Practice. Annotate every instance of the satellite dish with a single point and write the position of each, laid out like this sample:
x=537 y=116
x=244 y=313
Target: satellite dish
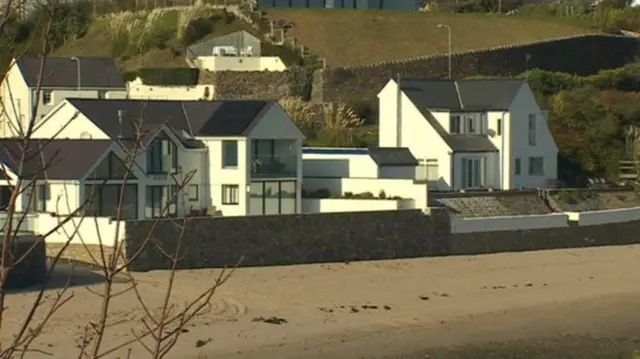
x=85 y=135
x=491 y=133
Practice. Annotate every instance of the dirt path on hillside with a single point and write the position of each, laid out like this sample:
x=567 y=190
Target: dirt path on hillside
x=383 y=307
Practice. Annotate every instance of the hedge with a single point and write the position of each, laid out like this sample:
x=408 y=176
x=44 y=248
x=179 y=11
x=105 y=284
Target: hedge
x=165 y=76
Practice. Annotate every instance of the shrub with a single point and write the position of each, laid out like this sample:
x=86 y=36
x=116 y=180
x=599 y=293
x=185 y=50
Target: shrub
x=382 y=194
x=302 y=113
x=320 y=193
x=339 y=123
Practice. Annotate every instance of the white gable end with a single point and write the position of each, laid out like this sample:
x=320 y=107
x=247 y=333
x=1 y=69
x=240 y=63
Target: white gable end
x=275 y=124
x=65 y=121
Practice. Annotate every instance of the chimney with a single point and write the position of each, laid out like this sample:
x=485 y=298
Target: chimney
x=120 y=115
x=398 y=112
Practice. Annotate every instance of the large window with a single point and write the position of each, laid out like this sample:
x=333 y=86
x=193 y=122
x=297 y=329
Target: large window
x=162 y=156
x=532 y=130
x=229 y=154
x=536 y=166
x=103 y=200
x=465 y=124
x=274 y=197
x=473 y=172
x=112 y=167
x=162 y=201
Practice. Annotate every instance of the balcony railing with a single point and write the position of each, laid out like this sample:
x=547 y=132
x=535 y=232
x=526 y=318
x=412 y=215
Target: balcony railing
x=274 y=166
x=23 y=223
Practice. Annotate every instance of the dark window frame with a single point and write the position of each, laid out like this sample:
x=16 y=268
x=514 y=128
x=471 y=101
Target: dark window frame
x=230 y=200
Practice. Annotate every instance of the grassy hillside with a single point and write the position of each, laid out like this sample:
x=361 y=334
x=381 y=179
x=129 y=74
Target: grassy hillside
x=355 y=37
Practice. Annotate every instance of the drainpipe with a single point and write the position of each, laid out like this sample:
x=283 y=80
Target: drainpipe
x=398 y=113
x=502 y=135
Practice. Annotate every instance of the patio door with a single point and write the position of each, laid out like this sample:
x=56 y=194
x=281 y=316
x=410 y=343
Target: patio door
x=473 y=172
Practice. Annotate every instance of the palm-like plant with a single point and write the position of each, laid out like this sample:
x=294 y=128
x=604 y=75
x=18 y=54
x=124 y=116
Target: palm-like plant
x=339 y=123
x=302 y=113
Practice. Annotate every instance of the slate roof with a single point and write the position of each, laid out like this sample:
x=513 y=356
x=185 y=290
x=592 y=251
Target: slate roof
x=184 y=118
x=392 y=156
x=61 y=72
x=52 y=159
x=461 y=96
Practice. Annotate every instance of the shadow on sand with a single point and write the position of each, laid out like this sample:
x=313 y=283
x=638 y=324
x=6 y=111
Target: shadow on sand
x=71 y=274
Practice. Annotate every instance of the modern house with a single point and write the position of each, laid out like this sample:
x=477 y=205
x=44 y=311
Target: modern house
x=470 y=133
x=58 y=78
x=238 y=51
x=231 y=158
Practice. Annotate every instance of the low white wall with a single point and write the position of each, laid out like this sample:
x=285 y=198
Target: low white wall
x=509 y=223
x=593 y=218
x=334 y=205
x=241 y=63
x=87 y=230
x=136 y=90
x=404 y=188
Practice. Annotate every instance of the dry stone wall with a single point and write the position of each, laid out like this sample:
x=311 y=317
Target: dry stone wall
x=583 y=55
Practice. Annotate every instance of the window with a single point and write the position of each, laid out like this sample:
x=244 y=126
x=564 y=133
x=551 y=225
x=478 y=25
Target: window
x=473 y=172
x=499 y=125
x=162 y=201
x=229 y=154
x=162 y=156
x=427 y=170
x=274 y=197
x=112 y=167
x=230 y=194
x=193 y=192
x=470 y=125
x=536 y=166
x=455 y=125
x=104 y=200
x=532 y=130
x=517 y=166
x=102 y=94
x=46 y=97
x=40 y=197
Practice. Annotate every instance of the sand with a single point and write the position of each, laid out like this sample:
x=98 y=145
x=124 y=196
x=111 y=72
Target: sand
x=364 y=309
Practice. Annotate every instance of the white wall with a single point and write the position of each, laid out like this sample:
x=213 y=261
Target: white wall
x=339 y=165
x=509 y=223
x=16 y=101
x=62 y=197
x=593 y=218
x=517 y=131
x=404 y=188
x=87 y=230
x=416 y=133
x=335 y=205
x=230 y=63
x=66 y=122
x=136 y=90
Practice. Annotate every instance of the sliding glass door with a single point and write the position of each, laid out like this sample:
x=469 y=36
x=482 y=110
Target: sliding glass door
x=473 y=172
x=272 y=197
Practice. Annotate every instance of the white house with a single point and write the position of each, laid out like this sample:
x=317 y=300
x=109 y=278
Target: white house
x=238 y=157
x=470 y=133
x=59 y=78
x=237 y=51
x=388 y=170
x=138 y=90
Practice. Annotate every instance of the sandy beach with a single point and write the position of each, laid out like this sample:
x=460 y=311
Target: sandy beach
x=379 y=309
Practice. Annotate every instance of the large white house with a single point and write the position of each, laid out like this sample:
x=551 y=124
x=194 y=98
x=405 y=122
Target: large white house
x=236 y=157
x=59 y=78
x=470 y=133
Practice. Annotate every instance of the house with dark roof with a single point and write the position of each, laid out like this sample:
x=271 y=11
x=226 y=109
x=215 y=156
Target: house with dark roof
x=470 y=133
x=228 y=157
x=33 y=83
x=61 y=175
x=387 y=170
x=237 y=51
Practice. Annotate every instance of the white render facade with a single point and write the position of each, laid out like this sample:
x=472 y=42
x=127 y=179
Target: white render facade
x=499 y=140
x=18 y=91
x=253 y=170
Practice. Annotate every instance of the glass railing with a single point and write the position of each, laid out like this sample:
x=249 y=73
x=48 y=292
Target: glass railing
x=274 y=166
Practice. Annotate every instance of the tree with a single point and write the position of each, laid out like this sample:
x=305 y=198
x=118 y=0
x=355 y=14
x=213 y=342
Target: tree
x=158 y=329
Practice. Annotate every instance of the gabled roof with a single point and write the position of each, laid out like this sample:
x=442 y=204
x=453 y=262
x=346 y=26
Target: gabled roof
x=52 y=159
x=186 y=119
x=392 y=156
x=462 y=95
x=62 y=72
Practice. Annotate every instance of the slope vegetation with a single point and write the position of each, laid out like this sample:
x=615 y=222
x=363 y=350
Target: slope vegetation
x=357 y=37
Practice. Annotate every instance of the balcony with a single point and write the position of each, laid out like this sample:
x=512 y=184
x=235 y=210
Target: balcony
x=274 y=166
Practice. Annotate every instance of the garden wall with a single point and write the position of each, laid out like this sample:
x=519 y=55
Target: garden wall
x=583 y=55
x=339 y=237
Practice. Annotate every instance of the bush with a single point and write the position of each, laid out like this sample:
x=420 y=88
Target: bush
x=382 y=194
x=169 y=76
x=154 y=38
x=196 y=30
